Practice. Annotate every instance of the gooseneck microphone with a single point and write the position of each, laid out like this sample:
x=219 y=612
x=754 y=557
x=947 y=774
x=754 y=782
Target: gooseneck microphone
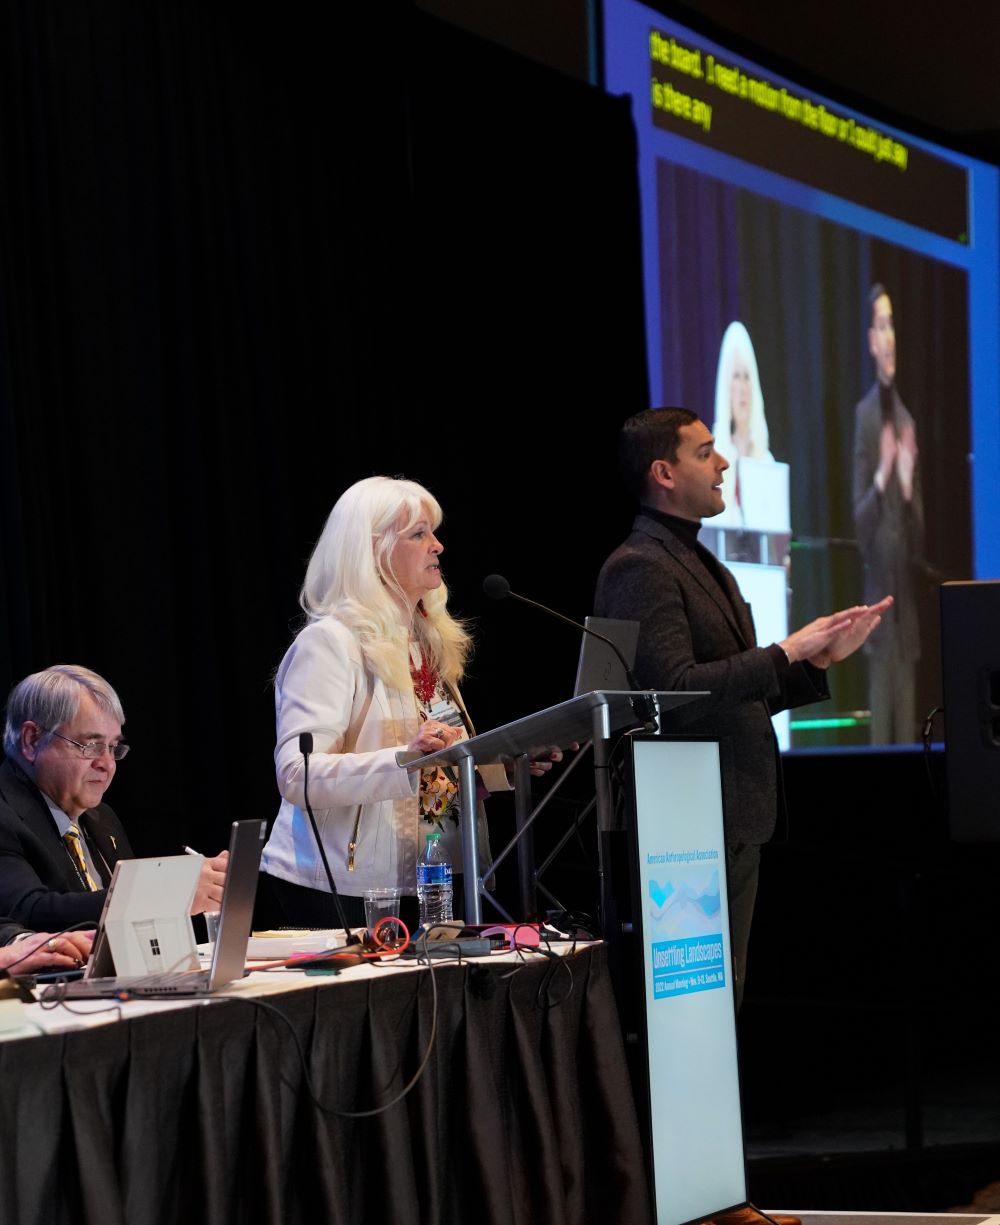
x=306 y=748
x=497 y=588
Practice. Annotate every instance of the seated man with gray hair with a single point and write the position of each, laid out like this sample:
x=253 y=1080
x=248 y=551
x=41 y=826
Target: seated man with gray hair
x=58 y=842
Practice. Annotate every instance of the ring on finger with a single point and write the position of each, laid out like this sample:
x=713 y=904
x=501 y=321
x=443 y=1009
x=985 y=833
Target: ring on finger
x=50 y=944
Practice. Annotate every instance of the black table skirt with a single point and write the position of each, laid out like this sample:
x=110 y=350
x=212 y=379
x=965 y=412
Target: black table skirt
x=524 y=1113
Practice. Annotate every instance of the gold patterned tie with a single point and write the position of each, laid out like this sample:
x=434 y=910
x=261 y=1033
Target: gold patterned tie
x=75 y=847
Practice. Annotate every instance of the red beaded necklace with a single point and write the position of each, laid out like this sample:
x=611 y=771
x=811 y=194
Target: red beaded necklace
x=425 y=679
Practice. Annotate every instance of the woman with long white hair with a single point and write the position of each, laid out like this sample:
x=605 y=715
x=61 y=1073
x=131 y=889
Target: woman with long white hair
x=374 y=670
x=740 y=427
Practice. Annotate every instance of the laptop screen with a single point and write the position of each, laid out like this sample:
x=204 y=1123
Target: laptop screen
x=599 y=667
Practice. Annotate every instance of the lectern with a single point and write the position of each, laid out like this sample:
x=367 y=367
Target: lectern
x=592 y=715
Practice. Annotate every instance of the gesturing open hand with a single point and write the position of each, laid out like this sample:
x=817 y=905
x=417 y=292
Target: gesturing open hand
x=863 y=619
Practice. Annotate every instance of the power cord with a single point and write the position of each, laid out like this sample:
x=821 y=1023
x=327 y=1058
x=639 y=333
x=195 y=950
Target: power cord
x=926 y=738
x=307 y=1079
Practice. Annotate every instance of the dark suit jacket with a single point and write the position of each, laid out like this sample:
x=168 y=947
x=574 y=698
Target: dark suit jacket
x=39 y=885
x=692 y=637
x=9 y=929
x=890 y=530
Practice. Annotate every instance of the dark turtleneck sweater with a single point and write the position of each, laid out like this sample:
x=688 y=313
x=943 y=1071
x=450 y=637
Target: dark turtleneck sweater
x=686 y=531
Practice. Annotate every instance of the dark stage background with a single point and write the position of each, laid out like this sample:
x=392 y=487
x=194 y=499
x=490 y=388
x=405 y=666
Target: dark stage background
x=246 y=261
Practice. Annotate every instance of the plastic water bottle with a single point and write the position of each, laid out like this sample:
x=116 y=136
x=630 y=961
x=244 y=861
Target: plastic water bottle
x=434 y=889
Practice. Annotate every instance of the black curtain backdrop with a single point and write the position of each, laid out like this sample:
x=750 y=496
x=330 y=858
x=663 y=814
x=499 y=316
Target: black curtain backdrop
x=248 y=255
x=800 y=284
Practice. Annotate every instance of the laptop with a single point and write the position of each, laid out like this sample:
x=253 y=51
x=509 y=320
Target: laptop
x=228 y=955
x=146 y=926
x=599 y=667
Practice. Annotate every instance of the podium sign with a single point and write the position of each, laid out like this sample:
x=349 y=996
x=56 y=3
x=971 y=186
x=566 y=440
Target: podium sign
x=681 y=918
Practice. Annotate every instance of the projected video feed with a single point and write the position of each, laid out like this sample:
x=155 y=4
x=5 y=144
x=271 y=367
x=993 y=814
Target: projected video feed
x=822 y=290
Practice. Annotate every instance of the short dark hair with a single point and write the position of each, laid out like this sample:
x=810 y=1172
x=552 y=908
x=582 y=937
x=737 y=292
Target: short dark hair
x=652 y=434
x=878 y=290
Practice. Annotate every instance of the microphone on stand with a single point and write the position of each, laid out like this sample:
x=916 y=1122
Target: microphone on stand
x=306 y=748
x=497 y=588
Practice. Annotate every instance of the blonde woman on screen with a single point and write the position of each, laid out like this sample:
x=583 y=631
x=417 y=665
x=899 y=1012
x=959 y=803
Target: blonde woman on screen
x=740 y=427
